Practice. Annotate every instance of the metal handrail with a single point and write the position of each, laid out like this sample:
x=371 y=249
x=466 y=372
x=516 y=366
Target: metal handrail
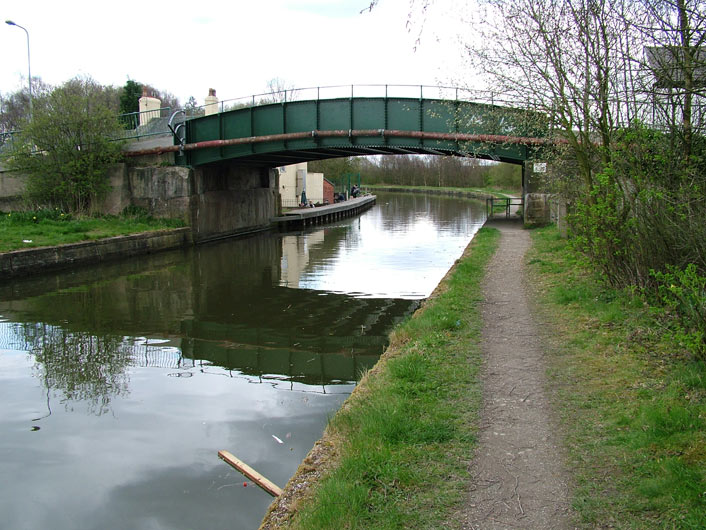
x=350 y=91
x=133 y=129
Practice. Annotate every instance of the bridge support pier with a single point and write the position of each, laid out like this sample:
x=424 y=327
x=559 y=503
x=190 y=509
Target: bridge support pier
x=231 y=200
x=537 y=204
x=218 y=200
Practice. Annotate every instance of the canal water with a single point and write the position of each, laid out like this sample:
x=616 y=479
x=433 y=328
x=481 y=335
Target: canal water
x=119 y=383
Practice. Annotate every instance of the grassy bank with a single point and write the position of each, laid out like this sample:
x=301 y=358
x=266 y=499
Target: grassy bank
x=633 y=403
x=51 y=227
x=404 y=437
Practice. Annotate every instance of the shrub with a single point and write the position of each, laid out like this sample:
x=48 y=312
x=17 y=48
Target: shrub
x=67 y=147
x=683 y=291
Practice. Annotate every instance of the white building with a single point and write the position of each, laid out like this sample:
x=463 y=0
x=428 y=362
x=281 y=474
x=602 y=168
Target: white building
x=295 y=179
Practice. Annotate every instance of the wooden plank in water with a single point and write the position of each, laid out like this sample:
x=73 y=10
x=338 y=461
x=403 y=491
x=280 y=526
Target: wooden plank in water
x=270 y=487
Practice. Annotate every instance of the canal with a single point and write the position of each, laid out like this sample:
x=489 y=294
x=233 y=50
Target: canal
x=119 y=383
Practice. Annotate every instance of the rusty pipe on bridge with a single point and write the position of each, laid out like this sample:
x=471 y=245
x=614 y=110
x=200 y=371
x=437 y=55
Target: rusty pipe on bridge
x=391 y=133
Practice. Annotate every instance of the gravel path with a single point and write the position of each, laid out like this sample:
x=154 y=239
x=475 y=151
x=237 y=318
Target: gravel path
x=518 y=477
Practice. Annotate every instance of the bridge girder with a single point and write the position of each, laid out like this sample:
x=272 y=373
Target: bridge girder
x=298 y=131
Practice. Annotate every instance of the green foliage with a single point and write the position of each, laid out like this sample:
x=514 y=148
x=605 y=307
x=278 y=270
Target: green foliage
x=34 y=216
x=67 y=147
x=683 y=291
x=418 y=170
x=506 y=176
x=335 y=168
x=645 y=209
x=130 y=97
x=602 y=229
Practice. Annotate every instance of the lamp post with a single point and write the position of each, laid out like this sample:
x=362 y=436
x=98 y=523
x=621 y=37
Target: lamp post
x=29 y=67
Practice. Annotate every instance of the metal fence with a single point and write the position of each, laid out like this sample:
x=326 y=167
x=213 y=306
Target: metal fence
x=146 y=123
x=355 y=91
x=7 y=139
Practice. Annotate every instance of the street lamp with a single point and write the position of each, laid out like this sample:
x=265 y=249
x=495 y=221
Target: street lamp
x=29 y=68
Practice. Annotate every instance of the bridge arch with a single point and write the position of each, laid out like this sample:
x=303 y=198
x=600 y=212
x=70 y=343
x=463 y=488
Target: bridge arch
x=289 y=132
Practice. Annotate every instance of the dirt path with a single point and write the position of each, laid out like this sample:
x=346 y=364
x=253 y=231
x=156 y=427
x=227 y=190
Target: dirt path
x=518 y=478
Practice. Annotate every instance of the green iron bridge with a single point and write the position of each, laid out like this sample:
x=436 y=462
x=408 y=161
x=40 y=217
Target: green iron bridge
x=232 y=184
x=287 y=132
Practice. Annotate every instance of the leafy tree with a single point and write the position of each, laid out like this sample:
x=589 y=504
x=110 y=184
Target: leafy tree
x=167 y=98
x=130 y=97
x=506 y=176
x=67 y=147
x=193 y=108
x=422 y=170
x=131 y=93
x=334 y=168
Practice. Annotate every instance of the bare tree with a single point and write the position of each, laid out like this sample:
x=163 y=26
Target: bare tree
x=675 y=60
x=14 y=107
x=566 y=60
x=279 y=90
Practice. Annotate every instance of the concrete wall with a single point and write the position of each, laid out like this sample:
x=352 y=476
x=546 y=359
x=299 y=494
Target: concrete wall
x=163 y=191
x=217 y=201
x=12 y=186
x=230 y=200
x=537 y=209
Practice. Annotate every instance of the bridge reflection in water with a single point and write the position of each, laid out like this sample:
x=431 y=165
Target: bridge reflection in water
x=231 y=308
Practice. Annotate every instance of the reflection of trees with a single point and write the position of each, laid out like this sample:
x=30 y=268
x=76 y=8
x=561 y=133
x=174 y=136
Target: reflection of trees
x=80 y=365
x=451 y=213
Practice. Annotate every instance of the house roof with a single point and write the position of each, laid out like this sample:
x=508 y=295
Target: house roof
x=667 y=65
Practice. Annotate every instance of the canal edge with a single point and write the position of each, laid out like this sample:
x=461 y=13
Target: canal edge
x=30 y=261
x=324 y=455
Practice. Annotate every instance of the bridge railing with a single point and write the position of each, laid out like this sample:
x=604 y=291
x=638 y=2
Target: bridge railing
x=145 y=123
x=359 y=91
x=7 y=139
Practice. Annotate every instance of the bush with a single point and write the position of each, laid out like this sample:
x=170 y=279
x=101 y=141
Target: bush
x=644 y=211
x=683 y=291
x=67 y=147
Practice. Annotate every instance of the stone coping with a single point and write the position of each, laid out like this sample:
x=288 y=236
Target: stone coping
x=30 y=261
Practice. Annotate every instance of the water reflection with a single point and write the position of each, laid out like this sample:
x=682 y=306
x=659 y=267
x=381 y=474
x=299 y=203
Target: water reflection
x=188 y=352
x=82 y=367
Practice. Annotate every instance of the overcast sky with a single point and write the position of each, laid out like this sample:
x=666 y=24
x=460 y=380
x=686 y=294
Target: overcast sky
x=187 y=47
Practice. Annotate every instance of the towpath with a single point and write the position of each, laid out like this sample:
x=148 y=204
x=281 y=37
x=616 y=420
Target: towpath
x=518 y=477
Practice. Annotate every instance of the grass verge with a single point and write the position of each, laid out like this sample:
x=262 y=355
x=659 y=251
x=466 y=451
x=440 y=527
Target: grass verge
x=404 y=438
x=632 y=401
x=41 y=228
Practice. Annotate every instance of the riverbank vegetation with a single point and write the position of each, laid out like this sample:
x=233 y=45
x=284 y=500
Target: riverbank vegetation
x=404 y=437
x=47 y=227
x=627 y=101
x=423 y=171
x=631 y=397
